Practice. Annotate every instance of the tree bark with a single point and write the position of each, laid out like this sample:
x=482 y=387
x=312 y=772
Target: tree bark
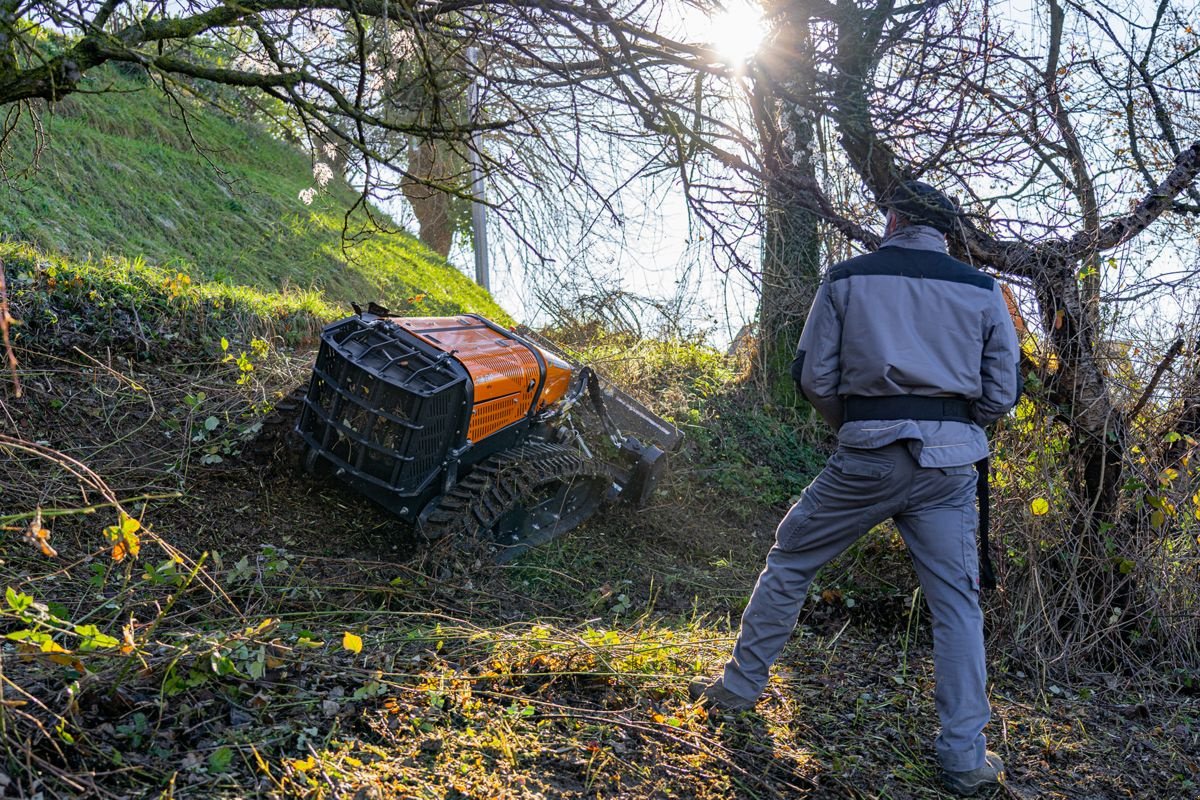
x=791 y=266
x=791 y=257
x=430 y=204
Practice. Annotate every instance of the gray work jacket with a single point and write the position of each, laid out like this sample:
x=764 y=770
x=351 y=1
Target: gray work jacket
x=903 y=321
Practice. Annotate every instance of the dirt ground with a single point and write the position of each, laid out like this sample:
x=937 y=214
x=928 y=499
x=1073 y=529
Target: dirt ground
x=307 y=644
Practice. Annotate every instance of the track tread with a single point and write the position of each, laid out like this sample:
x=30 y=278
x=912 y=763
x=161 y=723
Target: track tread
x=277 y=435
x=477 y=503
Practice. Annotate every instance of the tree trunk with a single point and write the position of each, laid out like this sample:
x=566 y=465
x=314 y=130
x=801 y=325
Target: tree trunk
x=1099 y=444
x=430 y=204
x=791 y=268
x=791 y=257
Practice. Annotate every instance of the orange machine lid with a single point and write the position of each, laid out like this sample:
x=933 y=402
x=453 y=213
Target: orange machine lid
x=500 y=363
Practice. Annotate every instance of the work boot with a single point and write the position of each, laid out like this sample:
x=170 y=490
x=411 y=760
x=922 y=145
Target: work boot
x=713 y=694
x=969 y=782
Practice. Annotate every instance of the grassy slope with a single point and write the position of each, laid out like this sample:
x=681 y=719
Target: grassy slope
x=120 y=175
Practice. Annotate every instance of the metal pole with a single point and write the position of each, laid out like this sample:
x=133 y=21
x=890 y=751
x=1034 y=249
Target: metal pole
x=478 y=209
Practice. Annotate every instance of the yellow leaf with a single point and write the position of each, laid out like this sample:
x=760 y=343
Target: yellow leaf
x=262 y=627
x=1039 y=506
x=124 y=537
x=352 y=642
x=68 y=661
x=305 y=765
x=130 y=545
x=128 y=643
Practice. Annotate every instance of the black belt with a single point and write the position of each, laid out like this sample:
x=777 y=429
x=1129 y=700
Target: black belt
x=943 y=409
x=953 y=409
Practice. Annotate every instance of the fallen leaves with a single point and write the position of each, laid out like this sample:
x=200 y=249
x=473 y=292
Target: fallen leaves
x=39 y=537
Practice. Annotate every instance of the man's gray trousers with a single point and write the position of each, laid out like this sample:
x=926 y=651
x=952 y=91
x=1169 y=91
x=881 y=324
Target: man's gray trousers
x=934 y=508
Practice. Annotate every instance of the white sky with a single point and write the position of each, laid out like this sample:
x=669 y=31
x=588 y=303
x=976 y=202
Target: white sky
x=660 y=256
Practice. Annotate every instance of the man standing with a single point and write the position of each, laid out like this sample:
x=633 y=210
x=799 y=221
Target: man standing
x=908 y=353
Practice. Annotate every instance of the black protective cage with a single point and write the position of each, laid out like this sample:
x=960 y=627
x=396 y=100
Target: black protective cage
x=386 y=410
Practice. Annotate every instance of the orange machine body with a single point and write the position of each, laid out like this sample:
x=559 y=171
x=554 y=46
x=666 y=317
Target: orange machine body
x=512 y=377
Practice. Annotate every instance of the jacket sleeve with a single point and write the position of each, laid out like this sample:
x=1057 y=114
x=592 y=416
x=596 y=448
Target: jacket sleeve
x=816 y=368
x=1000 y=366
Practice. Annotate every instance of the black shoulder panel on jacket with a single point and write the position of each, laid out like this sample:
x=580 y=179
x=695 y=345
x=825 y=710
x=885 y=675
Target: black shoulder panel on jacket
x=907 y=263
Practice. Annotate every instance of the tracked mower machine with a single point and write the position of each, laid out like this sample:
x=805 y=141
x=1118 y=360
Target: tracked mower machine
x=472 y=431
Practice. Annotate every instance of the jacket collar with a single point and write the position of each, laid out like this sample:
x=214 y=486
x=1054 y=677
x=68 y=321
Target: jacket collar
x=916 y=237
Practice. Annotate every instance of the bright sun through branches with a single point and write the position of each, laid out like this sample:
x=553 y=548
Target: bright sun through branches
x=737 y=31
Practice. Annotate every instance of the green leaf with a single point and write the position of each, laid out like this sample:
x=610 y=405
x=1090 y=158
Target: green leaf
x=257 y=667
x=220 y=760
x=93 y=639
x=17 y=601
x=211 y=424
x=57 y=610
x=222 y=665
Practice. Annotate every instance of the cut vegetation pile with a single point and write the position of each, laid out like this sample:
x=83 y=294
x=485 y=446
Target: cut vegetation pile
x=181 y=621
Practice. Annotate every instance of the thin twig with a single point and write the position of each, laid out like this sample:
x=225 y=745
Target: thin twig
x=1171 y=355
x=5 y=321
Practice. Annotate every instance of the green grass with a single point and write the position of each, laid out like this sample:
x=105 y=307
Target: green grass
x=130 y=175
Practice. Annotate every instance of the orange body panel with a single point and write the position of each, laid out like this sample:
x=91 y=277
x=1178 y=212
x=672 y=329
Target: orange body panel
x=503 y=369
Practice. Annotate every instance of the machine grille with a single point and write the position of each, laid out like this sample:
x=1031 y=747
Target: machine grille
x=382 y=407
x=489 y=417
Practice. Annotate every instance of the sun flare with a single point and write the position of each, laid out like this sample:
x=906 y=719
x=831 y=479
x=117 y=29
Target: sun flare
x=737 y=31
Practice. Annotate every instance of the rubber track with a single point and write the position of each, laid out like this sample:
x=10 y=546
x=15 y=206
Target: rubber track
x=477 y=502
x=277 y=436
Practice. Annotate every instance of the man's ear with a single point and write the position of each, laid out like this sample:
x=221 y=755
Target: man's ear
x=890 y=224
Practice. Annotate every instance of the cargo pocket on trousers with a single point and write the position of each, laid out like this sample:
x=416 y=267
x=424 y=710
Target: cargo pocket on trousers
x=789 y=534
x=862 y=463
x=970 y=548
